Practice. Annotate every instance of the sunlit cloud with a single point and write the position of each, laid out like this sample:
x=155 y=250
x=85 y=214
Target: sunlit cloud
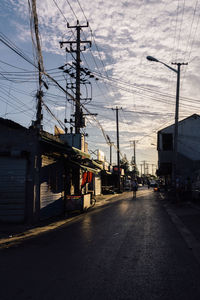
x=125 y=33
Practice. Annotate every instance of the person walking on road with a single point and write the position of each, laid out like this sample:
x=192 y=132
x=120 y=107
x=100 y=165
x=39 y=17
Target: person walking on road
x=134 y=188
x=148 y=183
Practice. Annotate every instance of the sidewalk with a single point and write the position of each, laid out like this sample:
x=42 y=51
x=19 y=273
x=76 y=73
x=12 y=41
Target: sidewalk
x=103 y=198
x=14 y=233
x=188 y=211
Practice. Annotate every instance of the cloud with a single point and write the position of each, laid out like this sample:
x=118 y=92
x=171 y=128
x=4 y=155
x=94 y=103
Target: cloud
x=125 y=33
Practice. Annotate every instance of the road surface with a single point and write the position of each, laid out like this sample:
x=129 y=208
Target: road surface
x=126 y=249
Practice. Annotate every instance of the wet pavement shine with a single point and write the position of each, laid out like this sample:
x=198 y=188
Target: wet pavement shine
x=123 y=249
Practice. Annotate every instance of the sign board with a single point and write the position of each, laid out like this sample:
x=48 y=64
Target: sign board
x=100 y=155
x=115 y=170
x=80 y=202
x=74 y=203
x=86 y=201
x=106 y=166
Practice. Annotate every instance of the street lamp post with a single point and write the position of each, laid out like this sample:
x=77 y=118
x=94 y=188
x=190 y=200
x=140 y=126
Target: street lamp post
x=177 y=71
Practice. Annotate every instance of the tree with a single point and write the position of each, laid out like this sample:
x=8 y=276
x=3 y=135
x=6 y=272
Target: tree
x=133 y=163
x=125 y=164
x=135 y=170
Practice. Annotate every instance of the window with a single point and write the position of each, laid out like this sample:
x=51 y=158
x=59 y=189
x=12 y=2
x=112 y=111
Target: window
x=164 y=169
x=167 y=141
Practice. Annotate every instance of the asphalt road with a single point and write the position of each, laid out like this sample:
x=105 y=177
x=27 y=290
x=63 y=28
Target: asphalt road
x=128 y=249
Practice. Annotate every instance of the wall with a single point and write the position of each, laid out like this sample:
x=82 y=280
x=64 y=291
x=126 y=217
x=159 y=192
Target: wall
x=188 y=139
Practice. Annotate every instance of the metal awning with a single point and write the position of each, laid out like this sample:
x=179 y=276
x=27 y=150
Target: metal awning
x=109 y=173
x=81 y=153
x=89 y=169
x=86 y=168
x=97 y=165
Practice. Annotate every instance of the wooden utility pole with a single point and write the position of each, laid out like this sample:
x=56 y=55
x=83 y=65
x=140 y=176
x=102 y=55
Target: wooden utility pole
x=111 y=144
x=147 y=167
x=78 y=112
x=153 y=169
x=144 y=164
x=118 y=160
x=175 y=152
x=37 y=127
x=40 y=66
x=134 y=155
x=141 y=169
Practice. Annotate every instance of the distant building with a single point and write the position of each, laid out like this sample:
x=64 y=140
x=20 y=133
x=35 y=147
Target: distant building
x=188 y=149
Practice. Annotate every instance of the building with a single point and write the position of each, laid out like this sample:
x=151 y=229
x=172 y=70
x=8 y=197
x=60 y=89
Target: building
x=38 y=174
x=188 y=149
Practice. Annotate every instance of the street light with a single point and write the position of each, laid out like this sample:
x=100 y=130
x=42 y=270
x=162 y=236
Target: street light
x=177 y=71
x=151 y=58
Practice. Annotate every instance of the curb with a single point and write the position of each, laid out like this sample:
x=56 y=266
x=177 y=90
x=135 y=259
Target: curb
x=18 y=238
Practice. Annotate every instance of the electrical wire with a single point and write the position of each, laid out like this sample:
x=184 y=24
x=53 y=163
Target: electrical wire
x=5 y=40
x=93 y=58
x=180 y=29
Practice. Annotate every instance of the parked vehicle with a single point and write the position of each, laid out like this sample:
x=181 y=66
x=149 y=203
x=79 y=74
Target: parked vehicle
x=153 y=183
x=127 y=185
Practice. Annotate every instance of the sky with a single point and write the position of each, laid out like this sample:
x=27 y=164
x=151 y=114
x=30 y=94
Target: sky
x=122 y=33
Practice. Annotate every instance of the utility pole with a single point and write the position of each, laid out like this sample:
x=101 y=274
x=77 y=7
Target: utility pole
x=40 y=66
x=37 y=124
x=134 y=152
x=78 y=112
x=141 y=169
x=147 y=167
x=134 y=155
x=111 y=154
x=111 y=144
x=153 y=168
x=177 y=71
x=174 y=169
x=118 y=160
x=144 y=164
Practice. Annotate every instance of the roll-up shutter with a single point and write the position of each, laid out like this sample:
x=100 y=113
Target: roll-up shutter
x=12 y=189
x=51 y=188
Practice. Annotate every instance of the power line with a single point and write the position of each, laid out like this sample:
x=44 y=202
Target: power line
x=20 y=53
x=89 y=48
x=191 y=25
x=14 y=48
x=3 y=62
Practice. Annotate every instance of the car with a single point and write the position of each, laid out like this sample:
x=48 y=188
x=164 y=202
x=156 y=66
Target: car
x=127 y=185
x=153 y=183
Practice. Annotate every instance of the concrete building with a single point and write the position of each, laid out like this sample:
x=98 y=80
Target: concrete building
x=188 y=149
